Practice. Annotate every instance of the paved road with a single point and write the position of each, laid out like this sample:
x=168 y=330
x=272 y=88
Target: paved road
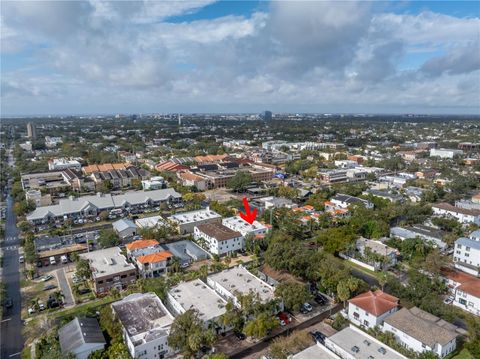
x=11 y=341
x=65 y=287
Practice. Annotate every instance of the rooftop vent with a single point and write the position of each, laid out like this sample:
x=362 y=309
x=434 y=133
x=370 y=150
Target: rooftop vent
x=355 y=349
x=382 y=350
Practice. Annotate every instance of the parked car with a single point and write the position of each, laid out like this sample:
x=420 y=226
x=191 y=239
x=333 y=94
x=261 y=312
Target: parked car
x=84 y=291
x=308 y=307
x=21 y=259
x=49 y=287
x=8 y=303
x=318 y=337
x=64 y=259
x=320 y=299
x=31 y=310
x=46 y=278
x=284 y=318
x=185 y=265
x=53 y=261
x=39 y=264
x=240 y=335
x=41 y=306
x=448 y=300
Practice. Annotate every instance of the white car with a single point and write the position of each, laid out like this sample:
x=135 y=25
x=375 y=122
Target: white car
x=308 y=307
x=41 y=306
x=449 y=300
x=31 y=310
x=21 y=259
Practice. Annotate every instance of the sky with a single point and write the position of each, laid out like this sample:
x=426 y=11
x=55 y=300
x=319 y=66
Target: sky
x=99 y=57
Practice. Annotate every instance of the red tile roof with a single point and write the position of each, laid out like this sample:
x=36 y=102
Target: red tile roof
x=155 y=257
x=468 y=283
x=376 y=303
x=142 y=243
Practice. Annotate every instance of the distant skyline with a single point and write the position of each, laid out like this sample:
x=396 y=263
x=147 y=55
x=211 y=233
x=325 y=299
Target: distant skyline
x=87 y=57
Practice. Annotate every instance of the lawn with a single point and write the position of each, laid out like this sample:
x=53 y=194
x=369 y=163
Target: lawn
x=82 y=309
x=373 y=274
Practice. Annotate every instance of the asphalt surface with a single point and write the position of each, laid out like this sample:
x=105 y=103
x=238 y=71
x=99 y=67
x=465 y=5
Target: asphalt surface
x=65 y=287
x=11 y=340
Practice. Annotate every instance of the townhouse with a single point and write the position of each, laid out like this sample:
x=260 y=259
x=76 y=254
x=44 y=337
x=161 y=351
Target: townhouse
x=218 y=239
x=238 y=224
x=466 y=255
x=154 y=264
x=465 y=290
x=420 y=331
x=110 y=269
x=369 y=309
x=92 y=206
x=145 y=325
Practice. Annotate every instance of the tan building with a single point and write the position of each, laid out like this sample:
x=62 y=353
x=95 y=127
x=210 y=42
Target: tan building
x=110 y=269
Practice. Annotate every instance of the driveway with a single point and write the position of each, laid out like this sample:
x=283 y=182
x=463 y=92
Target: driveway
x=65 y=287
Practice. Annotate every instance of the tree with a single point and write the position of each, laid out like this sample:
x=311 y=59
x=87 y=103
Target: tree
x=261 y=325
x=83 y=269
x=240 y=181
x=294 y=294
x=108 y=238
x=434 y=261
x=188 y=333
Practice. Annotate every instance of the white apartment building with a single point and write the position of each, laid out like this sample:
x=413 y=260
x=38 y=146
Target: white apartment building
x=344 y=201
x=238 y=224
x=186 y=221
x=156 y=182
x=197 y=295
x=421 y=331
x=463 y=215
x=59 y=164
x=238 y=280
x=467 y=254
x=154 y=264
x=445 y=153
x=52 y=141
x=369 y=309
x=218 y=239
x=146 y=325
x=352 y=343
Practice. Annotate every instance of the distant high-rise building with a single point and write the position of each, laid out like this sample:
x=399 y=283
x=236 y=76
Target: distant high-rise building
x=267 y=116
x=179 y=119
x=31 y=131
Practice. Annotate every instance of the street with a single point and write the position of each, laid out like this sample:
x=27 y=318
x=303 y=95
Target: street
x=11 y=341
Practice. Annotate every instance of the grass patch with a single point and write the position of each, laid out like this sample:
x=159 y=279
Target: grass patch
x=464 y=354
x=82 y=309
x=376 y=275
x=26 y=352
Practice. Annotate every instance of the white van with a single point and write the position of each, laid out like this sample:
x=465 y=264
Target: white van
x=52 y=261
x=64 y=259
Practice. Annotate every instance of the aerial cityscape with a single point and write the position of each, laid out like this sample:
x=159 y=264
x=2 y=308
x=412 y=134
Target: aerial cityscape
x=240 y=179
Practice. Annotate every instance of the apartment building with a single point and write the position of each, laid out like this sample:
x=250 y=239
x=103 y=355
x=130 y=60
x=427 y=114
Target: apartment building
x=185 y=222
x=110 y=269
x=465 y=290
x=463 y=215
x=238 y=224
x=118 y=174
x=154 y=264
x=467 y=254
x=218 y=239
x=445 y=153
x=145 y=324
x=420 y=331
x=59 y=164
x=198 y=295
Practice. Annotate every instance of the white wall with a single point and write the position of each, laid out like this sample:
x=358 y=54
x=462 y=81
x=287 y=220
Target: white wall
x=364 y=316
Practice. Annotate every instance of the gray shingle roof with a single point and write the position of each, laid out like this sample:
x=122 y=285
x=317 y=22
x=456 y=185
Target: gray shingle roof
x=468 y=242
x=78 y=332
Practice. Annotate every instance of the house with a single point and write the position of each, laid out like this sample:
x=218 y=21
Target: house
x=463 y=215
x=376 y=253
x=125 y=228
x=333 y=176
x=154 y=264
x=35 y=196
x=145 y=324
x=276 y=202
x=430 y=235
x=142 y=247
x=110 y=269
x=218 y=239
x=190 y=179
x=420 y=331
x=185 y=222
x=369 y=309
x=81 y=337
x=384 y=194
x=352 y=343
x=237 y=280
x=465 y=290
x=199 y=296
x=345 y=201
x=238 y=224
x=186 y=251
x=467 y=254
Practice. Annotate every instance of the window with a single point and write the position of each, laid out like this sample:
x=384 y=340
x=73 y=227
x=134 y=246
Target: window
x=365 y=322
x=123 y=276
x=109 y=280
x=467 y=249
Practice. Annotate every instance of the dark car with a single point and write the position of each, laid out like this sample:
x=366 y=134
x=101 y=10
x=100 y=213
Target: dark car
x=39 y=264
x=8 y=303
x=240 y=336
x=318 y=337
x=84 y=291
x=320 y=299
x=49 y=287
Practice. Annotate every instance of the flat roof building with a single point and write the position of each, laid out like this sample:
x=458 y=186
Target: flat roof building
x=238 y=224
x=146 y=325
x=186 y=221
x=352 y=343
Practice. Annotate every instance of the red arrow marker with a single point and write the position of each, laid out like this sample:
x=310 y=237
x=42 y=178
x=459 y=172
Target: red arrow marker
x=248 y=216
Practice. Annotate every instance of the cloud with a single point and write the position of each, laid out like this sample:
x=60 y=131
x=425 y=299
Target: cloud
x=314 y=54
